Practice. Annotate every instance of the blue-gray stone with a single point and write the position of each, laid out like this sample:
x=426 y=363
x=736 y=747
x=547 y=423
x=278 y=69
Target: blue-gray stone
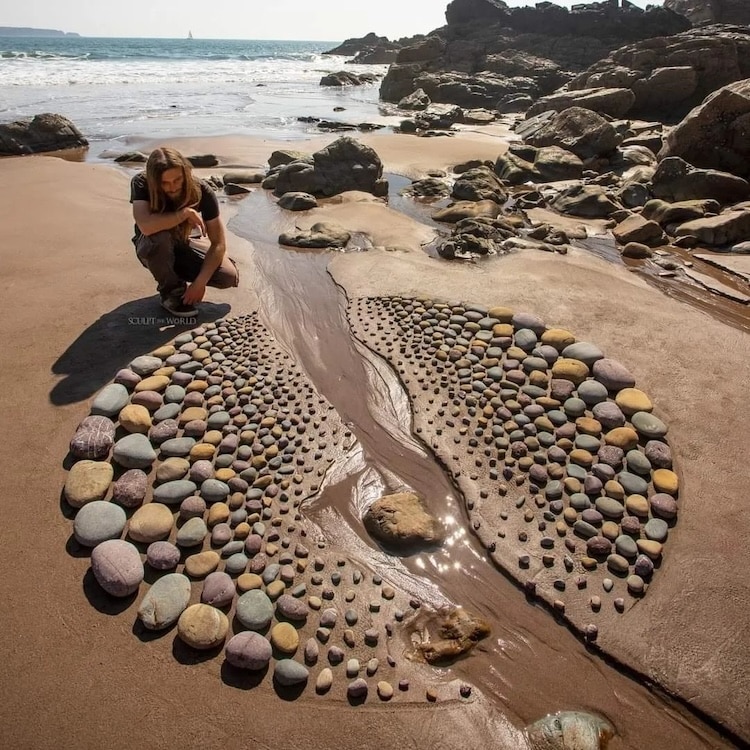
x=168 y=411
x=174 y=394
x=98 y=521
x=575 y=471
x=232 y=548
x=610 y=508
x=553 y=490
x=289 y=672
x=638 y=463
x=134 y=452
x=655 y=529
x=110 y=400
x=191 y=533
x=530 y=364
x=177 y=447
x=584 y=529
x=173 y=493
x=592 y=392
x=648 y=425
x=574 y=407
x=587 y=443
x=145 y=365
x=526 y=339
x=626 y=546
x=632 y=483
x=557 y=417
x=271 y=573
x=579 y=501
x=236 y=564
x=582 y=350
x=165 y=601
x=254 y=610
x=214 y=490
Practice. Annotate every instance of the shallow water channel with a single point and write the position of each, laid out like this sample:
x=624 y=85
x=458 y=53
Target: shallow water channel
x=530 y=665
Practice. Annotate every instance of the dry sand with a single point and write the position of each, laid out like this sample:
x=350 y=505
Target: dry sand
x=73 y=307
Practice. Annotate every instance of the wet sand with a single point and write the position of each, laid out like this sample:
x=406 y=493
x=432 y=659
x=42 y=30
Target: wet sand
x=65 y=656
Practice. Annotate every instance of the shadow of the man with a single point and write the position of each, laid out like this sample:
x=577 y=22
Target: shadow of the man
x=134 y=328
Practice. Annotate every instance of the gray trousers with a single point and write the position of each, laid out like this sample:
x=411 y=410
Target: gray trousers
x=173 y=264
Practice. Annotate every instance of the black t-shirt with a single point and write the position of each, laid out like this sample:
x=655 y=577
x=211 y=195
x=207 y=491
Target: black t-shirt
x=208 y=206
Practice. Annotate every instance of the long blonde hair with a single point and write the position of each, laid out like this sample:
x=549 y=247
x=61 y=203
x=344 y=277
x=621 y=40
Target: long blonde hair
x=159 y=161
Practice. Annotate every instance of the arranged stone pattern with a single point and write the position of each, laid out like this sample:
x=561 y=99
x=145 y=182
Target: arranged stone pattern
x=188 y=482
x=565 y=470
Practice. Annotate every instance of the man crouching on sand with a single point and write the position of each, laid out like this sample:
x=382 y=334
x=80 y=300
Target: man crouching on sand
x=169 y=206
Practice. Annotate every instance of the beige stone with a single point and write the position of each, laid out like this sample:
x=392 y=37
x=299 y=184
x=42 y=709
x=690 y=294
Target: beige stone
x=217 y=513
x=214 y=437
x=284 y=637
x=192 y=413
x=631 y=400
x=87 y=481
x=202 y=563
x=202 y=626
x=275 y=589
x=202 y=451
x=150 y=523
x=570 y=369
x=196 y=385
x=156 y=383
x=224 y=475
x=172 y=468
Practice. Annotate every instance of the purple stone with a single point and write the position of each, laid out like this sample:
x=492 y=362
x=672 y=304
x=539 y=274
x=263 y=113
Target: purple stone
x=195 y=428
x=130 y=489
x=611 y=455
x=538 y=474
x=193 y=398
x=200 y=471
x=150 y=399
x=663 y=505
x=630 y=525
x=598 y=546
x=192 y=507
x=612 y=374
x=659 y=454
x=162 y=555
x=561 y=389
x=249 y=650
x=93 y=438
x=165 y=430
x=182 y=378
x=592 y=485
x=566 y=431
x=518 y=449
x=529 y=320
x=220 y=535
x=603 y=472
x=128 y=378
x=592 y=516
x=218 y=589
x=557 y=455
x=253 y=545
x=609 y=415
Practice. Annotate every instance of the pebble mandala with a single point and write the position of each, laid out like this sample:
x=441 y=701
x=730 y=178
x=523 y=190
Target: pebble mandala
x=195 y=461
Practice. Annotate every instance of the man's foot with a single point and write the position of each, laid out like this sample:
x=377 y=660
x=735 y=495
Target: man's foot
x=177 y=307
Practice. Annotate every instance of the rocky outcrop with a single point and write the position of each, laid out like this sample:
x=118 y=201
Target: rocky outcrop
x=370 y=49
x=490 y=54
x=345 y=78
x=40 y=134
x=670 y=75
x=716 y=134
x=700 y=12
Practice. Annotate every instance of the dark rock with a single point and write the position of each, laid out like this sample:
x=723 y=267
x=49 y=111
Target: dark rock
x=44 y=132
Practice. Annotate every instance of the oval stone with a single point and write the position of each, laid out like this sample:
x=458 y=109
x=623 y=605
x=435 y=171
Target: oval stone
x=610 y=508
x=191 y=533
x=612 y=374
x=248 y=650
x=289 y=672
x=586 y=352
x=93 y=438
x=162 y=555
x=177 y=446
x=291 y=609
x=254 y=610
x=202 y=626
x=666 y=481
x=165 y=601
x=659 y=454
x=163 y=431
x=171 y=493
x=608 y=413
x=110 y=400
x=87 y=482
x=117 y=567
x=617 y=564
x=134 y=452
x=663 y=506
x=284 y=637
x=656 y=529
x=98 y=521
x=648 y=425
x=632 y=400
x=130 y=489
x=150 y=523
x=218 y=589
x=135 y=418
x=145 y=365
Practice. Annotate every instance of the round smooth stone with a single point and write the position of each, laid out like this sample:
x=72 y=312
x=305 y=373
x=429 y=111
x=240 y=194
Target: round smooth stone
x=608 y=414
x=218 y=589
x=150 y=399
x=526 y=339
x=632 y=400
x=110 y=401
x=574 y=407
x=172 y=493
x=193 y=414
x=165 y=430
x=610 y=508
x=248 y=650
x=172 y=469
x=663 y=506
x=165 y=601
x=291 y=608
x=650 y=547
x=285 y=638
x=135 y=418
x=632 y=483
x=522 y=320
x=191 y=533
x=87 y=482
x=236 y=564
x=150 y=523
x=177 y=447
x=168 y=411
x=592 y=486
x=289 y=672
x=200 y=471
x=117 y=567
x=666 y=481
x=162 y=555
x=638 y=463
x=637 y=505
x=570 y=369
x=584 y=529
x=579 y=501
x=648 y=425
x=656 y=529
x=587 y=443
x=324 y=681
x=617 y=564
x=192 y=507
x=587 y=353
x=98 y=521
x=598 y=546
x=603 y=472
x=156 y=383
x=130 y=489
x=214 y=491
x=592 y=516
x=591 y=392
x=202 y=627
x=626 y=546
x=218 y=420
x=128 y=378
x=554 y=490
x=202 y=563
x=254 y=610
x=636 y=584
x=659 y=454
x=145 y=365
x=577 y=472
x=174 y=394
x=612 y=374
x=134 y=452
x=93 y=438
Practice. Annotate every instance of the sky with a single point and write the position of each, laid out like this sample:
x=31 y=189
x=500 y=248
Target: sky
x=326 y=20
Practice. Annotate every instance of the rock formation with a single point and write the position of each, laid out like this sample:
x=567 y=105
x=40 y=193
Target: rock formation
x=711 y=11
x=45 y=132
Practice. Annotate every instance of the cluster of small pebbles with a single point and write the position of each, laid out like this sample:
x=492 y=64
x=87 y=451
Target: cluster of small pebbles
x=565 y=470
x=190 y=473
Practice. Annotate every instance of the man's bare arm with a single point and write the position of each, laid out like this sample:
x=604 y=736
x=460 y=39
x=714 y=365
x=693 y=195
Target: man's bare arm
x=151 y=223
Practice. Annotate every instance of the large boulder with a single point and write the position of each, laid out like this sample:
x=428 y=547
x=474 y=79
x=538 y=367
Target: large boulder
x=575 y=129
x=39 y=134
x=523 y=163
x=402 y=519
x=716 y=134
x=700 y=12
x=671 y=74
x=615 y=102
x=676 y=180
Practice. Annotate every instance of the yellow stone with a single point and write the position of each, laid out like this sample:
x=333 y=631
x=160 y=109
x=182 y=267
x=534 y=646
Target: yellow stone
x=247 y=437
x=249 y=582
x=166 y=371
x=262 y=482
x=666 y=481
x=572 y=485
x=566 y=444
x=613 y=489
x=236 y=500
x=650 y=548
x=224 y=475
x=558 y=337
x=538 y=378
x=88 y=481
x=581 y=457
x=258 y=462
x=622 y=437
x=503 y=314
x=135 y=418
x=631 y=400
x=171 y=469
x=589 y=426
x=218 y=513
x=202 y=563
x=215 y=400
x=515 y=352
x=164 y=351
x=202 y=626
x=200 y=354
x=570 y=515
x=543 y=424
x=610 y=530
x=196 y=385
x=547 y=403
x=502 y=330
x=570 y=369
x=637 y=505
x=202 y=451
x=272 y=451
x=192 y=413
x=275 y=589
x=150 y=523
x=214 y=437
x=242 y=531
x=315 y=602
x=284 y=637
x=589 y=563
x=153 y=383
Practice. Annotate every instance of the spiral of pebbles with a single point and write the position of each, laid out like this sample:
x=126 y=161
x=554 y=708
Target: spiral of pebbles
x=205 y=450
x=565 y=470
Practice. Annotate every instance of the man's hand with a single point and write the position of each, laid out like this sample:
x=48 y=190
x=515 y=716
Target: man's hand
x=194 y=219
x=194 y=293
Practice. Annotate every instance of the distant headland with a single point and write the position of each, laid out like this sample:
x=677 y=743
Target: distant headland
x=27 y=31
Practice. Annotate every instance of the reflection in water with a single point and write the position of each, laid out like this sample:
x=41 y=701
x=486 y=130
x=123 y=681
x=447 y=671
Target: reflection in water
x=530 y=665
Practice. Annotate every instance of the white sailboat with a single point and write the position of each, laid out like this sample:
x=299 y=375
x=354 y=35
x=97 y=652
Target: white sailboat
x=190 y=35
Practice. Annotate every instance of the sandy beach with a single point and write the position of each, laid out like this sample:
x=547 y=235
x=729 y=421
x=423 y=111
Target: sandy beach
x=78 y=307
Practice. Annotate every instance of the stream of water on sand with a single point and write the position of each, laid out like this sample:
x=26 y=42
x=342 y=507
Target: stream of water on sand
x=530 y=665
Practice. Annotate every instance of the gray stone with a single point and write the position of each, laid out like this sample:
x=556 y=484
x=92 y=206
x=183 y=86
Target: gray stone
x=236 y=564
x=254 y=610
x=134 y=452
x=289 y=672
x=110 y=400
x=613 y=375
x=168 y=411
x=165 y=601
x=585 y=352
x=191 y=533
x=632 y=483
x=608 y=413
x=171 y=493
x=656 y=529
x=98 y=521
x=177 y=446
x=145 y=365
x=218 y=589
x=214 y=491
x=648 y=425
x=592 y=392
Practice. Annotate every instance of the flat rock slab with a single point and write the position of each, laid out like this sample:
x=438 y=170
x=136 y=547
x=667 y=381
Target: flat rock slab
x=715 y=286
x=739 y=265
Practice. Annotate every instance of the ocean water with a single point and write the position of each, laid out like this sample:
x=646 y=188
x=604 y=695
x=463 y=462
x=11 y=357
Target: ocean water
x=118 y=91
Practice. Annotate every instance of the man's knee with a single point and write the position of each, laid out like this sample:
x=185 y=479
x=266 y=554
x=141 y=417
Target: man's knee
x=226 y=277
x=153 y=244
